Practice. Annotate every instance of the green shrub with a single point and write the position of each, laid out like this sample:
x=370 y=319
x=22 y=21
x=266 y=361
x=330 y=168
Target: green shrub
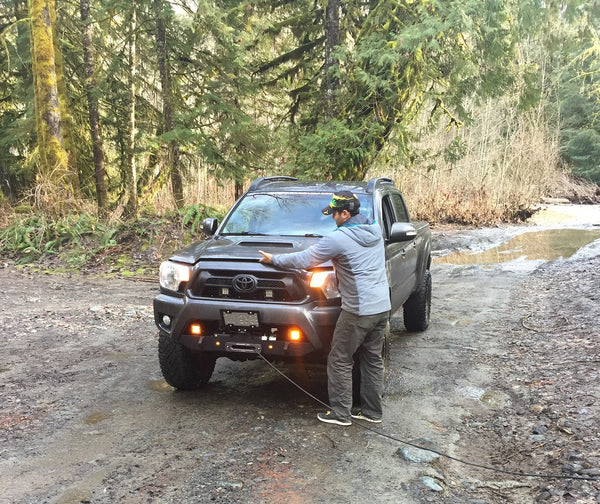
x=583 y=153
x=30 y=237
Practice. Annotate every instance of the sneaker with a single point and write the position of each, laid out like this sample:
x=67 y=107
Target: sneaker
x=359 y=415
x=329 y=417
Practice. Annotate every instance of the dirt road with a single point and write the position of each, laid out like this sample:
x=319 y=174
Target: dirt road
x=506 y=376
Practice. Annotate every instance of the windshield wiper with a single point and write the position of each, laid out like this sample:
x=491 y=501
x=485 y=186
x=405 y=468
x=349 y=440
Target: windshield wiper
x=245 y=233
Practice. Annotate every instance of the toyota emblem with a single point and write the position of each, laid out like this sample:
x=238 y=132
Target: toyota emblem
x=244 y=283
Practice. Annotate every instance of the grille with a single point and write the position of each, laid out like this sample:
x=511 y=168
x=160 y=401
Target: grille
x=269 y=287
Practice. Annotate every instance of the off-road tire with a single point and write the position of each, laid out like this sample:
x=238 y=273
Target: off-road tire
x=181 y=367
x=385 y=354
x=417 y=307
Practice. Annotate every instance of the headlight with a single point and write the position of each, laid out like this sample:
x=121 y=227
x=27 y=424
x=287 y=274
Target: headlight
x=172 y=275
x=325 y=280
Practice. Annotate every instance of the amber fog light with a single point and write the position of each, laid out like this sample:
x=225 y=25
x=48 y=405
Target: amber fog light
x=195 y=329
x=295 y=334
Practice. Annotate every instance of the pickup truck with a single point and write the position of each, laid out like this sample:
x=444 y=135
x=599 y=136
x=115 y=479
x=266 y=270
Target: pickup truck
x=217 y=300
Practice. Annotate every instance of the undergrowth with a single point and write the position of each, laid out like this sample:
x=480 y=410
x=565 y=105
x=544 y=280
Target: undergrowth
x=75 y=240
x=30 y=237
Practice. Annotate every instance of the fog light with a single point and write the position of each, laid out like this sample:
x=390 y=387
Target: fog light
x=166 y=320
x=295 y=334
x=195 y=329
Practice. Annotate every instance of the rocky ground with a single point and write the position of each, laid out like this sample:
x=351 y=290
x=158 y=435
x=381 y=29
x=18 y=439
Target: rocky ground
x=506 y=377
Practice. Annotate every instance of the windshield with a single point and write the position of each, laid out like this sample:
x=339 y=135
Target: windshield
x=286 y=213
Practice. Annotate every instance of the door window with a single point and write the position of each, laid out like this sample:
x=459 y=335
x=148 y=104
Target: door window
x=399 y=208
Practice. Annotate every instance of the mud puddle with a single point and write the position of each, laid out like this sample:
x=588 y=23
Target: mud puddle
x=546 y=245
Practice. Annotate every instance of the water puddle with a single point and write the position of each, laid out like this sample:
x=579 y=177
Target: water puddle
x=493 y=399
x=546 y=245
x=97 y=418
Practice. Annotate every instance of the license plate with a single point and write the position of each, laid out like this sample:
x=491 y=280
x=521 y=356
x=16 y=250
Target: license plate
x=240 y=319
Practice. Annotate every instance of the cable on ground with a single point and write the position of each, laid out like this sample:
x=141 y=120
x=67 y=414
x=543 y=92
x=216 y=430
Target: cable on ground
x=441 y=454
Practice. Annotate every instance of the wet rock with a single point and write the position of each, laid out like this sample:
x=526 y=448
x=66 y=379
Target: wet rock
x=413 y=454
x=592 y=472
x=571 y=468
x=544 y=495
x=430 y=483
x=231 y=485
x=574 y=456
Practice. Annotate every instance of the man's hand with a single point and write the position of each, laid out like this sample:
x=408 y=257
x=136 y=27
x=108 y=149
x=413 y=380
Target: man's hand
x=266 y=259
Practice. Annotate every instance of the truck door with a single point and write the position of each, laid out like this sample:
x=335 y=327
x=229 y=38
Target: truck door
x=401 y=258
x=410 y=248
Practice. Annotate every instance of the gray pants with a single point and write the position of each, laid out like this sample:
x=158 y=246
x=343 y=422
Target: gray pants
x=363 y=334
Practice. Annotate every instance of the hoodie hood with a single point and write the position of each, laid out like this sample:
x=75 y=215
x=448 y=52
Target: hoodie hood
x=362 y=230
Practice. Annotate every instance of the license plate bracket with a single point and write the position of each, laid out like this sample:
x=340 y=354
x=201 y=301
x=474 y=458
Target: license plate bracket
x=248 y=319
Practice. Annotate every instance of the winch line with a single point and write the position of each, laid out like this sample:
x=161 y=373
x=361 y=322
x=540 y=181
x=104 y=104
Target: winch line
x=437 y=452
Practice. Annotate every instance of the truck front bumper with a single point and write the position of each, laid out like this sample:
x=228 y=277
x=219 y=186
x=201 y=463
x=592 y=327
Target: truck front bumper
x=269 y=335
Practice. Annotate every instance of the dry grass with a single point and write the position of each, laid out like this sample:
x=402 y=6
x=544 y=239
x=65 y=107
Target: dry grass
x=201 y=189
x=508 y=165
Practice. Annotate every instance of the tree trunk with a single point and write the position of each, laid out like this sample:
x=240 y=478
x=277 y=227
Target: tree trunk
x=93 y=112
x=239 y=189
x=167 y=97
x=54 y=183
x=332 y=35
x=66 y=119
x=131 y=166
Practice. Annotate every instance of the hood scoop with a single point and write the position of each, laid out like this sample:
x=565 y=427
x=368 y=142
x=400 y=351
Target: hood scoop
x=265 y=244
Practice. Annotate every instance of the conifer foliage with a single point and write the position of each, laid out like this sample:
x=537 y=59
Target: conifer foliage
x=114 y=101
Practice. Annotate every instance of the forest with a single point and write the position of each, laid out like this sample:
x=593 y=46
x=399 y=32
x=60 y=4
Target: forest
x=113 y=111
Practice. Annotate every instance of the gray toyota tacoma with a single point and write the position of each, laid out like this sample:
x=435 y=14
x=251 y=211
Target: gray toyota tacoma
x=217 y=300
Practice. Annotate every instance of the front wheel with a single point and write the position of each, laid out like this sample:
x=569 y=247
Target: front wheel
x=181 y=367
x=417 y=307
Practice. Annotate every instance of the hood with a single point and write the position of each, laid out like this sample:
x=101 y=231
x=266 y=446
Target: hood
x=362 y=230
x=240 y=248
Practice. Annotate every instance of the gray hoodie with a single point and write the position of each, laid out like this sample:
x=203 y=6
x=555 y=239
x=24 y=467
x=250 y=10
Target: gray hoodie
x=357 y=253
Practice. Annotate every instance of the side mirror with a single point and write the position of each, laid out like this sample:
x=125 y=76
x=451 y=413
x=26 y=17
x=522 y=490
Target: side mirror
x=402 y=231
x=210 y=225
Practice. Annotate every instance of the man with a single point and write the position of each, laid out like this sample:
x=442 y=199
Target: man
x=357 y=253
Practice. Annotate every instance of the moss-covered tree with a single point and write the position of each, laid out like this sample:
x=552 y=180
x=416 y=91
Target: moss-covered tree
x=55 y=186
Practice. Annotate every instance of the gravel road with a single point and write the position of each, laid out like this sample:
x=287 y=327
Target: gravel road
x=506 y=376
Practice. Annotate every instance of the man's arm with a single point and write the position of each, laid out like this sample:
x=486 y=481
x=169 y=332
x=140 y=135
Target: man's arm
x=327 y=248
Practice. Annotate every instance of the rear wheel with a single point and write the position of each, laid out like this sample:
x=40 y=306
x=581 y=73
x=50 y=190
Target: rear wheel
x=417 y=308
x=181 y=367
